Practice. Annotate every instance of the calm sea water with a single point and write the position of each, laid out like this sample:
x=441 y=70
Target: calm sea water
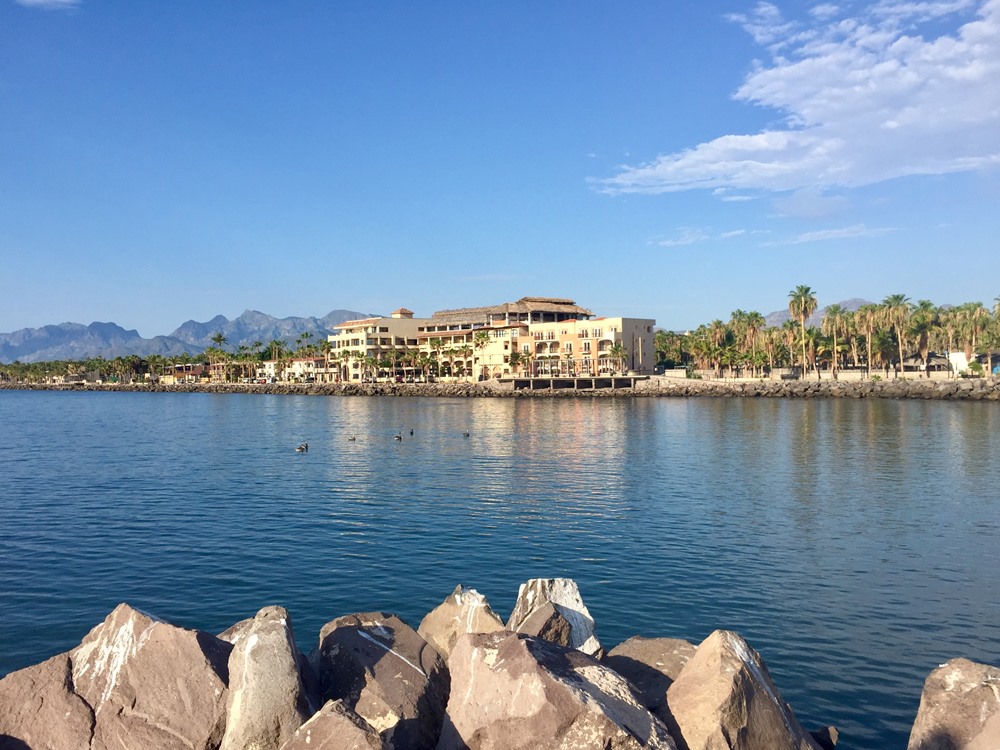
x=855 y=544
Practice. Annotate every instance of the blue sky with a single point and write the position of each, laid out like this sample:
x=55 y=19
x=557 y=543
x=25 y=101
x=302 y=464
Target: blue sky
x=161 y=162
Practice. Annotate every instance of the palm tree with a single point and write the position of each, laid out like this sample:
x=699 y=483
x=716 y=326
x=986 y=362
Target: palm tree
x=619 y=354
x=924 y=321
x=896 y=315
x=868 y=317
x=801 y=304
x=834 y=323
x=465 y=351
x=480 y=341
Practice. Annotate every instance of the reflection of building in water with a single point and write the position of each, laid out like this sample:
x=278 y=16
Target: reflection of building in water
x=535 y=335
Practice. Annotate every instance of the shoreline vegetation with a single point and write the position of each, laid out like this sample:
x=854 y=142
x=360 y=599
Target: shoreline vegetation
x=657 y=386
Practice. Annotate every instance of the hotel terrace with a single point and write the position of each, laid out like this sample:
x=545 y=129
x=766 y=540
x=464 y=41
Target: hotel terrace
x=535 y=336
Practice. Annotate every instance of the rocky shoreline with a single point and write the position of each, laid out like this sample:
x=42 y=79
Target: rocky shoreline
x=959 y=389
x=462 y=680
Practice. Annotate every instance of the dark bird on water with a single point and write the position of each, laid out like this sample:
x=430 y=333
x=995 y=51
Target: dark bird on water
x=303 y=448
x=465 y=434
x=352 y=438
x=398 y=436
x=411 y=430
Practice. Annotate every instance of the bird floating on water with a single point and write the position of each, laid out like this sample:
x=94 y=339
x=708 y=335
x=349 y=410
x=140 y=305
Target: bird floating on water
x=465 y=434
x=352 y=437
x=411 y=430
x=398 y=436
x=303 y=448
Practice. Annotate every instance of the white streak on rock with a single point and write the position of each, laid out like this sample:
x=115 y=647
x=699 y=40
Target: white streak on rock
x=378 y=643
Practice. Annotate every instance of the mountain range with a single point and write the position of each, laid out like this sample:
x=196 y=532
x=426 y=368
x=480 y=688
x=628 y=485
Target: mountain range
x=110 y=340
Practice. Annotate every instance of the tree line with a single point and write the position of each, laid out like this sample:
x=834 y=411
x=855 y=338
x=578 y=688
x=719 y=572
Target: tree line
x=889 y=335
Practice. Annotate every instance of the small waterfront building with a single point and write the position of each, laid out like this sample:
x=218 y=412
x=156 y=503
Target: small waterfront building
x=304 y=369
x=359 y=346
x=597 y=346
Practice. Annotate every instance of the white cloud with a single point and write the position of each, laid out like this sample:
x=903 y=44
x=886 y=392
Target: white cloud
x=859 y=230
x=48 y=4
x=864 y=99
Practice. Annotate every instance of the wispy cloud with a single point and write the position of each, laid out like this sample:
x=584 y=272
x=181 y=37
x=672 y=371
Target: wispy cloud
x=693 y=236
x=49 y=4
x=865 y=98
x=856 y=231
x=493 y=277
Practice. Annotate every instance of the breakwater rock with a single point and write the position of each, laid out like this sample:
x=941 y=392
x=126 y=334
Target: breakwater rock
x=372 y=682
x=959 y=389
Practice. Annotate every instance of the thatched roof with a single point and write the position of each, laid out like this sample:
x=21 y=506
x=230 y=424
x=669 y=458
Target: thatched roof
x=522 y=306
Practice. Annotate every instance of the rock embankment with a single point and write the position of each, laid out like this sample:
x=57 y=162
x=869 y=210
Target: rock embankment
x=959 y=389
x=462 y=681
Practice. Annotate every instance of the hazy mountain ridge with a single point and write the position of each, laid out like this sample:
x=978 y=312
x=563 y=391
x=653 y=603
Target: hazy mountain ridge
x=110 y=340
x=778 y=317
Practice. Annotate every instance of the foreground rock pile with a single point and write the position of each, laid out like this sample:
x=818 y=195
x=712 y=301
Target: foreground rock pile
x=463 y=679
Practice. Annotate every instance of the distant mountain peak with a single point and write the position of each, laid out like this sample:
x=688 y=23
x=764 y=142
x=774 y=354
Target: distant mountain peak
x=109 y=340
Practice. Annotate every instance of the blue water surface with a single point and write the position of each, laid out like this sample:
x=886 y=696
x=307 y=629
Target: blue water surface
x=853 y=543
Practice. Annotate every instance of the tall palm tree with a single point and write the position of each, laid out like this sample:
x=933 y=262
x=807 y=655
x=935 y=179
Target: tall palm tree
x=834 y=324
x=801 y=304
x=896 y=315
x=925 y=319
x=867 y=318
x=480 y=341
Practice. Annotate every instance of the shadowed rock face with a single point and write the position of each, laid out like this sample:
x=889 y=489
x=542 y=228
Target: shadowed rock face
x=267 y=701
x=650 y=665
x=514 y=692
x=959 y=708
x=564 y=593
x=335 y=727
x=465 y=611
x=385 y=672
x=725 y=698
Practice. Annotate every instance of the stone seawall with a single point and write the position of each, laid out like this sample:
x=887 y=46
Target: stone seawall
x=462 y=680
x=986 y=389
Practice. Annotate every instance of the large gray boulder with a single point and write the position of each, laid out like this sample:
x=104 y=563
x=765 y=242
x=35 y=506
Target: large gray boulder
x=151 y=684
x=564 y=593
x=724 y=698
x=511 y=691
x=335 y=727
x=385 y=672
x=267 y=701
x=959 y=708
x=465 y=611
x=39 y=710
x=651 y=665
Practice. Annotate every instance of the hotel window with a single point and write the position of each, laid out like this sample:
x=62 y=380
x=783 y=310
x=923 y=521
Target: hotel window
x=586 y=347
x=569 y=347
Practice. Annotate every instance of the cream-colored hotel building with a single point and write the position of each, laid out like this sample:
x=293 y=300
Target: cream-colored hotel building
x=536 y=336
